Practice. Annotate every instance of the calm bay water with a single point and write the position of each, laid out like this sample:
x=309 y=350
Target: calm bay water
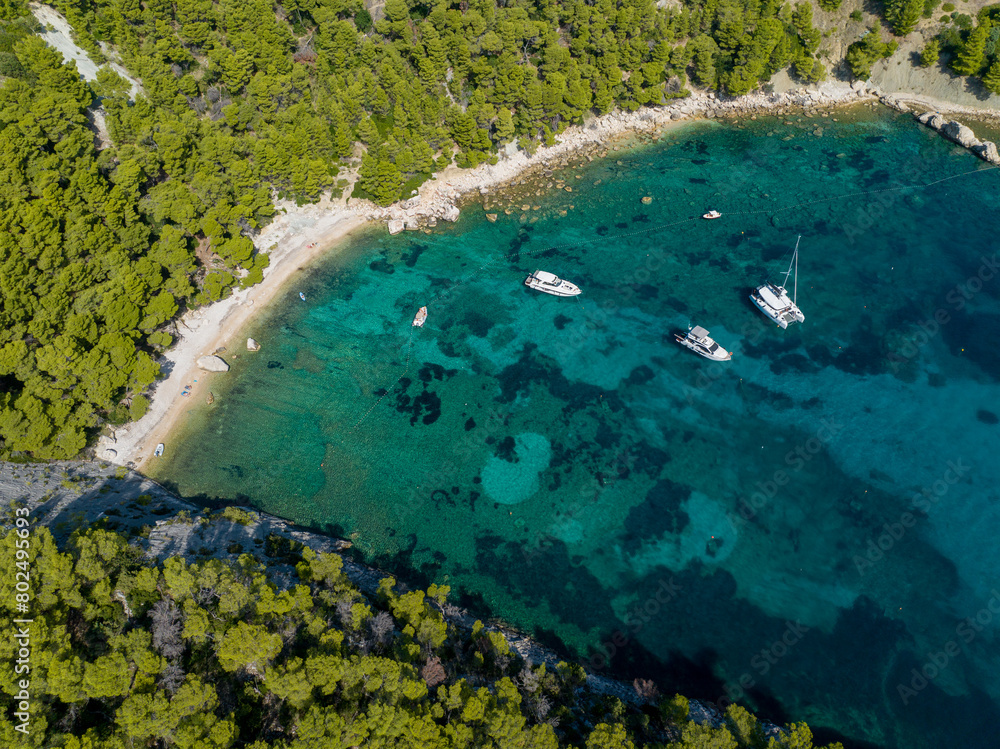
x=805 y=528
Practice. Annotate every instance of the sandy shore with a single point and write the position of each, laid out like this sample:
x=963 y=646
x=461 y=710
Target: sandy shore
x=299 y=235
x=294 y=239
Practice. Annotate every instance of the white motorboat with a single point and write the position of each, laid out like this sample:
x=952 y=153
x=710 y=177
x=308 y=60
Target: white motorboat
x=711 y=215
x=421 y=318
x=541 y=280
x=698 y=340
x=774 y=301
x=159 y=450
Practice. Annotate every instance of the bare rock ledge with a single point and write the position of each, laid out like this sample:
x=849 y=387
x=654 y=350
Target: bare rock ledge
x=212 y=364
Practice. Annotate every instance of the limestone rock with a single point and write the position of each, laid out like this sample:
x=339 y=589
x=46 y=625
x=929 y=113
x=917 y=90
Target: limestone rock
x=212 y=364
x=252 y=345
x=110 y=453
x=210 y=398
x=987 y=151
x=935 y=121
x=491 y=217
x=959 y=133
x=450 y=213
x=396 y=226
x=412 y=225
x=647 y=200
x=925 y=118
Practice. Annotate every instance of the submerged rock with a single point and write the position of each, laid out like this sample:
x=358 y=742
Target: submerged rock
x=491 y=217
x=647 y=200
x=212 y=364
x=210 y=398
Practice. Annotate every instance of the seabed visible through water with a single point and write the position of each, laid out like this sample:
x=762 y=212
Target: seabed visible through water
x=822 y=509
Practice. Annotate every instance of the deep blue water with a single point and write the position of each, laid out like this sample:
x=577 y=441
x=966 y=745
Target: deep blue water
x=804 y=528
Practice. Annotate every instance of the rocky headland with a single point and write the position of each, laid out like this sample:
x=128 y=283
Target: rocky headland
x=65 y=496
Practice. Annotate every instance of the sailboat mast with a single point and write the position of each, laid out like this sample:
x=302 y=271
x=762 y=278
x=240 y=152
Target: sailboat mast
x=795 y=289
x=784 y=283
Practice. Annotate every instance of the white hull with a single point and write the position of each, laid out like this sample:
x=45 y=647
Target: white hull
x=781 y=316
x=550 y=284
x=774 y=301
x=698 y=340
x=421 y=318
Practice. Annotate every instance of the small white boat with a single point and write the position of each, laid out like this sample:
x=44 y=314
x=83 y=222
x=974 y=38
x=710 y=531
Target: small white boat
x=774 y=301
x=159 y=450
x=421 y=318
x=302 y=296
x=541 y=280
x=711 y=215
x=698 y=340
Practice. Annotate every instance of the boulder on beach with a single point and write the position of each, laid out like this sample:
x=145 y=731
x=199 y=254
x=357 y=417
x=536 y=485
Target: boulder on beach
x=961 y=134
x=212 y=364
x=109 y=454
x=396 y=226
x=450 y=213
x=252 y=345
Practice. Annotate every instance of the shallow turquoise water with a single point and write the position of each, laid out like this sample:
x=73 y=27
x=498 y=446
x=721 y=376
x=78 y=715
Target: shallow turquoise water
x=798 y=529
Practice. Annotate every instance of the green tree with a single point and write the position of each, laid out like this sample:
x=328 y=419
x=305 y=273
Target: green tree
x=972 y=56
x=931 y=53
x=903 y=15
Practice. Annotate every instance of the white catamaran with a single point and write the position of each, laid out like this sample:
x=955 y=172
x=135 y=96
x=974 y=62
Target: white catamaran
x=773 y=300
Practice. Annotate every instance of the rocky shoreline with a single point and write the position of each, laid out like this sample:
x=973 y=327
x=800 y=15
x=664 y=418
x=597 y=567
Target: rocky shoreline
x=66 y=495
x=441 y=199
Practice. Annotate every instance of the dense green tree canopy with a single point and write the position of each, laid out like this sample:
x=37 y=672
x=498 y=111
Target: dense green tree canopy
x=211 y=655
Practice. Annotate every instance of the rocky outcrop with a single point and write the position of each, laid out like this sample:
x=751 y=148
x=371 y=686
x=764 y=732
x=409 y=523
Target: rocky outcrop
x=958 y=133
x=212 y=364
x=396 y=226
x=987 y=151
x=961 y=134
x=252 y=345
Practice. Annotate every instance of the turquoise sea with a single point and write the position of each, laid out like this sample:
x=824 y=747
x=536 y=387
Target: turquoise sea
x=810 y=529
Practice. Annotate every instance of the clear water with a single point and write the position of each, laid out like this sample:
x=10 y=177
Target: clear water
x=798 y=529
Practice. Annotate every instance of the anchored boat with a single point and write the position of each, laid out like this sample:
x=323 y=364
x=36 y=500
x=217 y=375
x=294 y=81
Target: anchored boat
x=711 y=215
x=698 y=340
x=541 y=280
x=302 y=296
x=774 y=301
x=420 y=318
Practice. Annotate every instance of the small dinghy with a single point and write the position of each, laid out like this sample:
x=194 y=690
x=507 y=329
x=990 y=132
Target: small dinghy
x=421 y=318
x=159 y=450
x=549 y=283
x=302 y=296
x=711 y=215
x=698 y=340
